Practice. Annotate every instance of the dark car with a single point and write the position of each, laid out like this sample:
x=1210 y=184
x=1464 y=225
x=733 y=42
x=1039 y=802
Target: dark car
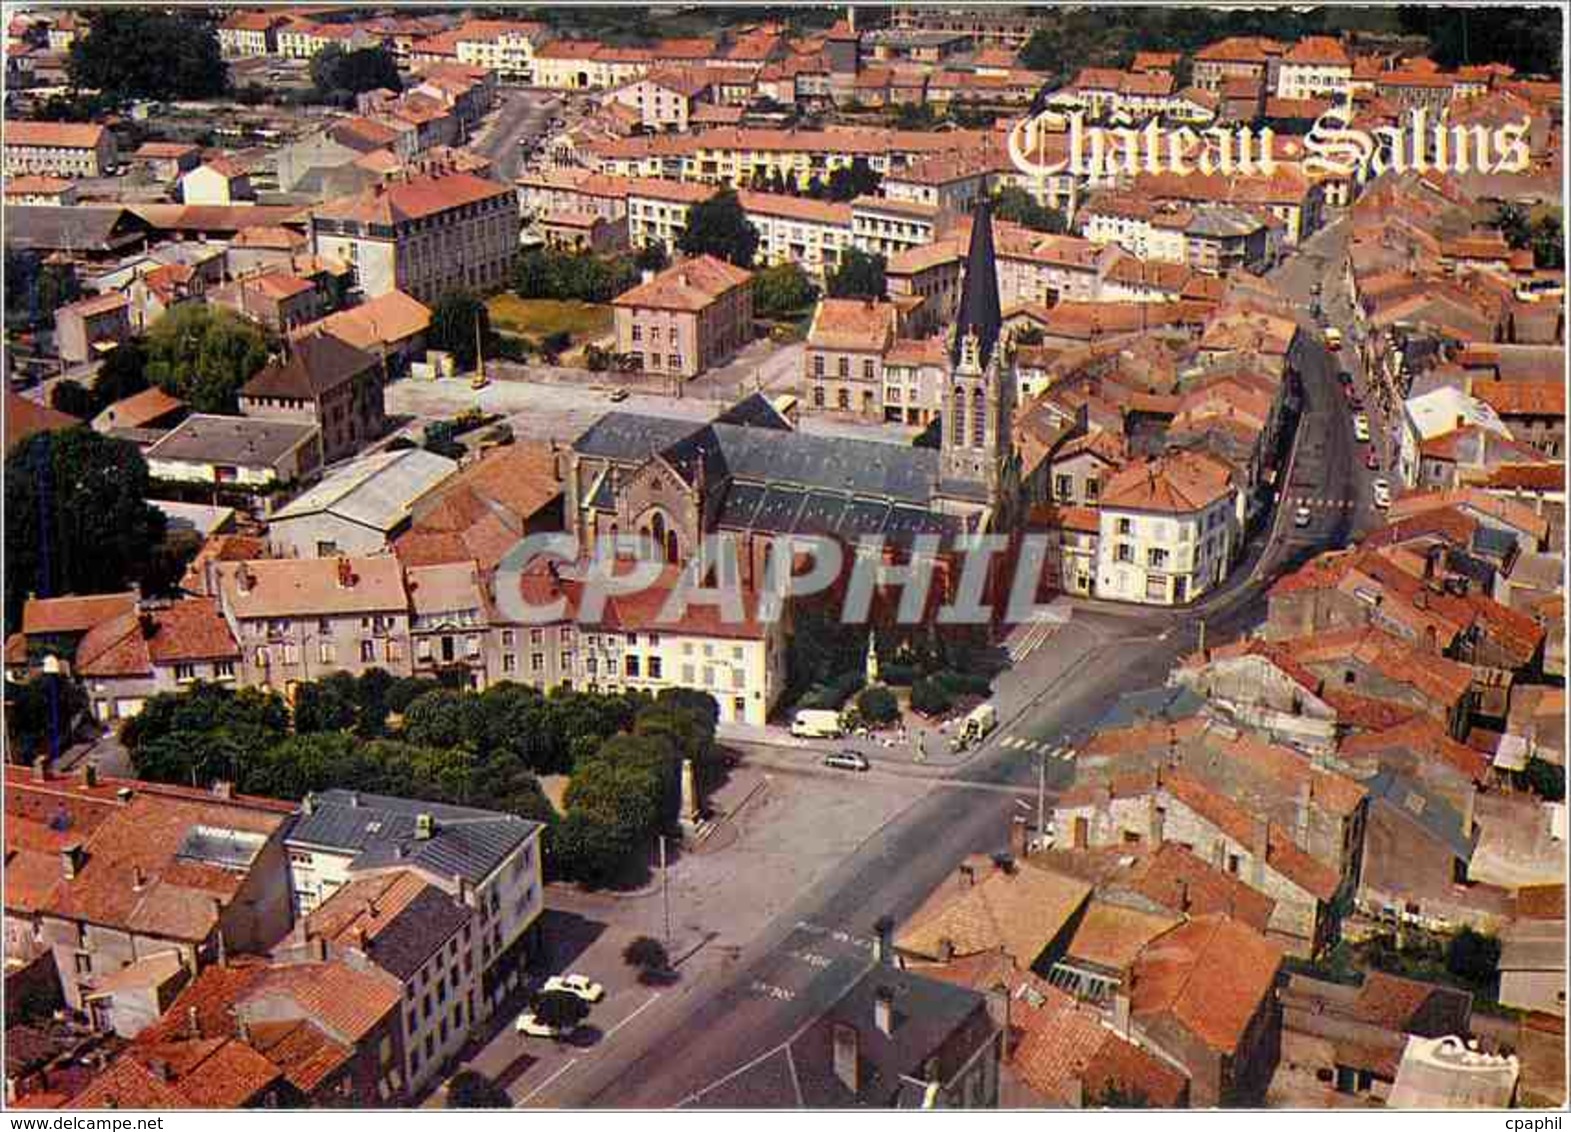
x=1372 y=461
x=1345 y=377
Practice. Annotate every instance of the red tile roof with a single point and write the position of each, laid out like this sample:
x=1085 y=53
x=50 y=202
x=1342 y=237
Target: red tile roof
x=420 y=196
x=688 y=285
x=73 y=614
x=55 y=135
x=1210 y=976
x=25 y=417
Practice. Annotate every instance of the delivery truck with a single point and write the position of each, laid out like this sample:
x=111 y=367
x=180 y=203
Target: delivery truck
x=817 y=723
x=976 y=726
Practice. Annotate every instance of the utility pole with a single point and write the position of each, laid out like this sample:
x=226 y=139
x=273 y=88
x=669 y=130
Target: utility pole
x=1041 y=795
x=1201 y=647
x=665 y=891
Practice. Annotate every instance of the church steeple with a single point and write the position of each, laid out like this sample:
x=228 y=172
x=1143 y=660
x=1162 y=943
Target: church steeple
x=981 y=314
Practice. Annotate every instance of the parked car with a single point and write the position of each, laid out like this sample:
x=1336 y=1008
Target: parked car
x=1361 y=428
x=581 y=985
x=1301 y=516
x=1382 y=493
x=1372 y=460
x=1345 y=377
x=618 y=394
x=847 y=760
x=531 y=1026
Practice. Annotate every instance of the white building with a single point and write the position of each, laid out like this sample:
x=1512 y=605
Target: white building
x=1434 y=414
x=1168 y=529
x=812 y=234
x=1315 y=67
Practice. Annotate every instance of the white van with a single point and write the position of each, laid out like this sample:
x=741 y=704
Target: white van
x=976 y=726
x=817 y=723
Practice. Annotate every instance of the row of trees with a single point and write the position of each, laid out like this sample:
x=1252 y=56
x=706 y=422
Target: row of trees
x=417 y=738
x=845 y=183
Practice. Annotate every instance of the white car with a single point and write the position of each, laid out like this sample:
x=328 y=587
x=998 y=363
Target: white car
x=1382 y=493
x=528 y=1024
x=581 y=985
x=1361 y=428
x=1301 y=516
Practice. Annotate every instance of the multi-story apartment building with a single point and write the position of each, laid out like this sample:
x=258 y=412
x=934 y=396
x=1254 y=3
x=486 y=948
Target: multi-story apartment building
x=925 y=283
x=450 y=625
x=302 y=619
x=424 y=235
x=843 y=364
x=1168 y=529
x=693 y=315
x=915 y=370
x=488 y=862
x=1315 y=67
x=657 y=211
x=63 y=149
x=505 y=46
x=812 y=234
x=1250 y=58
x=1008 y=27
x=663 y=100
x=883 y=226
x=1037 y=268
x=326 y=382
x=156 y=647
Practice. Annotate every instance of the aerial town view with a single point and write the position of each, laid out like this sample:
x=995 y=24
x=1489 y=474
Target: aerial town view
x=694 y=557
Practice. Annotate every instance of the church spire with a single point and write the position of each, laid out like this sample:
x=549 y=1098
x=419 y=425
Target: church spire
x=980 y=311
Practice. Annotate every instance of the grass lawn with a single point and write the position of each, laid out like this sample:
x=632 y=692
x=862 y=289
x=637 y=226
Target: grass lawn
x=538 y=317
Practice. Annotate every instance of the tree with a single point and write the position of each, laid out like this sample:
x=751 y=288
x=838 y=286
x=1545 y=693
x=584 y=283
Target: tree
x=1548 y=243
x=123 y=373
x=591 y=852
x=203 y=355
x=34 y=290
x=329 y=704
x=469 y=1088
x=1526 y=38
x=861 y=276
x=1473 y=957
x=459 y=322
x=37 y=708
x=930 y=697
x=720 y=228
x=146 y=53
x=877 y=705
x=1017 y=206
x=75 y=398
x=1514 y=223
x=646 y=953
x=561 y=1011
x=851 y=181
x=336 y=72
x=76 y=520
x=782 y=290
x=652 y=257
x=1545 y=779
x=1115 y=1094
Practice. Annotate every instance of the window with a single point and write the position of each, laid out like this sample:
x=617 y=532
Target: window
x=818 y=365
x=367 y=651
x=867 y=369
x=654 y=668
x=1064 y=487
x=1126 y=526
x=843 y=367
x=630 y=666
x=224 y=669
x=638 y=333
x=1093 y=488
x=509 y=663
x=507 y=638
x=185 y=672
x=1124 y=553
x=1156 y=558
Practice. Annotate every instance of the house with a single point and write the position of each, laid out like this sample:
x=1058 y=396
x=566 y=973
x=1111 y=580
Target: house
x=249 y=34
x=486 y=862
x=894 y=1039
x=1261 y=686
x=391 y=327
x=35 y=188
x=480 y=513
x=326 y=382
x=167 y=161
x=403 y=925
x=301 y=619
x=221 y=180
x=1169 y=529
x=60 y=149
x=1435 y=414
x=1204 y=993
x=1532 y=951
x=359 y=507
x=157 y=647
x=1317 y=66
x=151 y=408
x=89 y=328
x=687 y=319
x=54 y=626
x=25 y=417
x=255 y=1033
x=842 y=365
x=103 y=872
x=1533 y=411
x=242 y=452
x=425 y=235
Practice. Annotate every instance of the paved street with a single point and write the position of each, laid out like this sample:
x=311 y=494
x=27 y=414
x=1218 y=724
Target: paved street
x=520 y=115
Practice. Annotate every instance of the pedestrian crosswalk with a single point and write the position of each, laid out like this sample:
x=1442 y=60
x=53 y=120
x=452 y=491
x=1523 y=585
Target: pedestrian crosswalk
x=1028 y=638
x=1315 y=501
x=1036 y=746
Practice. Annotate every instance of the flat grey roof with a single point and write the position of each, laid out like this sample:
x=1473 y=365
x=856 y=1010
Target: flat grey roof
x=247 y=442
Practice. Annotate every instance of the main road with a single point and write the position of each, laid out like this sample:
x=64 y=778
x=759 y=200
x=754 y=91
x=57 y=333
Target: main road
x=740 y=1008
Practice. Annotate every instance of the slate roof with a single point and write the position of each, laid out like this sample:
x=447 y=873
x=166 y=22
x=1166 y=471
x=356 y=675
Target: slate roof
x=755 y=411
x=77 y=228
x=1429 y=811
x=980 y=309
x=405 y=919
x=246 y=442
x=380 y=830
x=316 y=364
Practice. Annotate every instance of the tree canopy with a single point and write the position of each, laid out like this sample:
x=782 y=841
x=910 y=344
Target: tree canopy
x=469 y=1088
x=1017 y=206
x=203 y=355
x=782 y=290
x=550 y=273
x=861 y=276
x=76 y=517
x=336 y=72
x=459 y=322
x=134 y=52
x=720 y=228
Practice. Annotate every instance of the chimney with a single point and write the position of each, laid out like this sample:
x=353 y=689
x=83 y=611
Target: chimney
x=148 y=624
x=884 y=1011
x=138 y=878
x=193 y=1023
x=223 y=789
x=1261 y=850
x=1183 y=895
x=308 y=803
x=159 y=1068
x=41 y=769
x=346 y=574
x=1121 y=1011
x=319 y=948
x=362 y=941
x=72 y=858
x=1082 y=833
x=90 y=774
x=884 y=941
x=245 y=581
x=354 y=799
x=967 y=876
x=847 y=1055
